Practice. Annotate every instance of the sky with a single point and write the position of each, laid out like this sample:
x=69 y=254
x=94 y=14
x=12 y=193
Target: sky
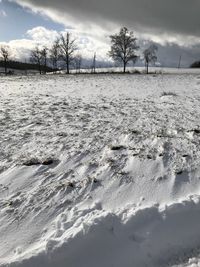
x=173 y=25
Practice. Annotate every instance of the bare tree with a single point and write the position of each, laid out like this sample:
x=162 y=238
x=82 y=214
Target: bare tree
x=150 y=56
x=5 y=55
x=39 y=57
x=67 y=48
x=54 y=54
x=78 y=62
x=44 y=54
x=36 y=58
x=123 y=47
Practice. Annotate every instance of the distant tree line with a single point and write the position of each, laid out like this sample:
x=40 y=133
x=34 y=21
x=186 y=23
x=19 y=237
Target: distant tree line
x=196 y=64
x=64 y=52
x=17 y=65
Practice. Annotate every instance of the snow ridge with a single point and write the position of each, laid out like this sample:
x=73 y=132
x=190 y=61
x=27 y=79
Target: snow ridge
x=93 y=175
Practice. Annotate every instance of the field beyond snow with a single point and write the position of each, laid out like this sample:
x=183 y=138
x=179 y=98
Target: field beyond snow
x=100 y=171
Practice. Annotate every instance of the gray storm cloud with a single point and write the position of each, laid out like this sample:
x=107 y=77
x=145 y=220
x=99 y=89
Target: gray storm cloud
x=168 y=16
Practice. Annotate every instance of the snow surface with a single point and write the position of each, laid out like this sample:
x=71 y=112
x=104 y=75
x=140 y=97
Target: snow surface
x=100 y=170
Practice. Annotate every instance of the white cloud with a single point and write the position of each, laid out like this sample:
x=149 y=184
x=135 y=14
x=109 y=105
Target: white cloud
x=37 y=36
x=40 y=36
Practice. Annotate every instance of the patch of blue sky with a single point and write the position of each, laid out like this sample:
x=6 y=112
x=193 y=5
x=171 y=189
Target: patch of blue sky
x=15 y=21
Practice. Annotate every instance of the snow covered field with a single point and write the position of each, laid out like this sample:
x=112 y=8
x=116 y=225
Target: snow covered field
x=100 y=171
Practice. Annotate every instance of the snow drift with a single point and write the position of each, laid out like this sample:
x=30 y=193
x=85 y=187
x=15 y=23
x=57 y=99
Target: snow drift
x=100 y=171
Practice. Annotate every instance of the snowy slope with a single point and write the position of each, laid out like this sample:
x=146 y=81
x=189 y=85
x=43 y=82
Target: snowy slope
x=100 y=170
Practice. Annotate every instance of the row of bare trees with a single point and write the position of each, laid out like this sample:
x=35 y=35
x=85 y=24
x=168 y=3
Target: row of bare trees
x=63 y=49
x=123 y=50
x=39 y=57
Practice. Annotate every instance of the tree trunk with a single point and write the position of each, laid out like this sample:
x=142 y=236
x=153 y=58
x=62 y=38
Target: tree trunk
x=124 y=67
x=40 y=70
x=67 y=62
x=45 y=66
x=147 y=64
x=5 y=64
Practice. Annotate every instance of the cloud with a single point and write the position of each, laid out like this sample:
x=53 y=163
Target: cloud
x=41 y=36
x=37 y=36
x=172 y=18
